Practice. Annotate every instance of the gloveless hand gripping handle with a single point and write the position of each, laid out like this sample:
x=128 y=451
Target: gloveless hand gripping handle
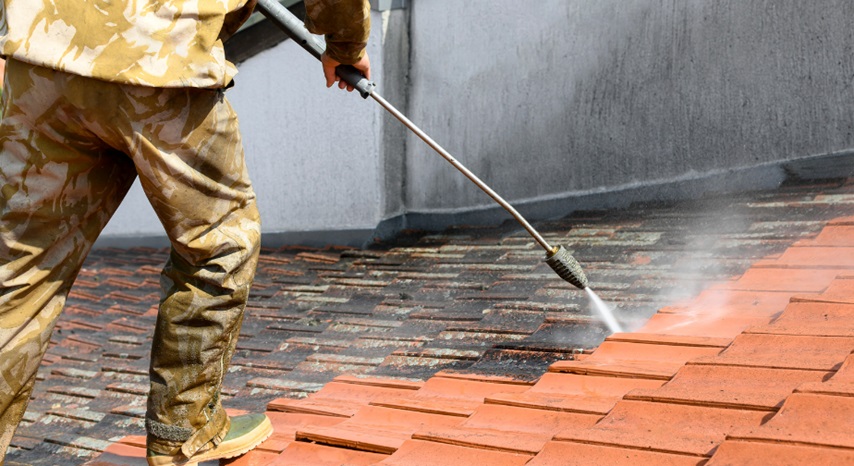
x=295 y=29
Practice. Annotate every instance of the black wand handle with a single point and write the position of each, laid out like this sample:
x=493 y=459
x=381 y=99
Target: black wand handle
x=295 y=29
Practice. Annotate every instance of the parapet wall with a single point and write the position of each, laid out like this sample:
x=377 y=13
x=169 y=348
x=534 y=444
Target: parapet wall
x=549 y=99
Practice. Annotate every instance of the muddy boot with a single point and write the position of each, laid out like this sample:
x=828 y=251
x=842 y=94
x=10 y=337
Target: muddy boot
x=246 y=432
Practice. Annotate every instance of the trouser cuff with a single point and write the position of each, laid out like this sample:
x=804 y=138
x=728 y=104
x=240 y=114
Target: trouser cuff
x=171 y=439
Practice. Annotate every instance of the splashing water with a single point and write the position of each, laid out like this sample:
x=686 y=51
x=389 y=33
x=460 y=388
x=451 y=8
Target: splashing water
x=603 y=311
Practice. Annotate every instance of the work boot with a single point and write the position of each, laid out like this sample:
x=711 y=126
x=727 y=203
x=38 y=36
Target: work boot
x=246 y=432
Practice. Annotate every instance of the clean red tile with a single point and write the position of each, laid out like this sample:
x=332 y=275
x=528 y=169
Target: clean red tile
x=558 y=383
x=655 y=361
x=489 y=439
x=747 y=453
x=120 y=454
x=808 y=418
x=718 y=301
x=492 y=378
x=785 y=352
x=252 y=458
x=400 y=384
x=810 y=318
x=376 y=429
x=723 y=324
x=422 y=453
x=579 y=454
x=573 y=393
x=665 y=427
x=841 y=221
x=718 y=313
x=832 y=235
x=508 y=428
x=317 y=406
x=451 y=396
x=285 y=426
x=134 y=440
x=841 y=384
x=812 y=257
x=309 y=454
x=789 y=280
x=840 y=290
x=345 y=395
x=730 y=386
x=670 y=339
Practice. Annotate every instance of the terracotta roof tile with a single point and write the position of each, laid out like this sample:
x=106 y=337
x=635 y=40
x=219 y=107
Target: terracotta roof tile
x=422 y=453
x=841 y=384
x=342 y=398
x=635 y=359
x=557 y=453
x=746 y=453
x=730 y=387
x=476 y=314
x=573 y=393
x=452 y=397
x=121 y=454
x=488 y=428
x=665 y=427
x=790 y=280
x=811 y=318
x=809 y=419
x=319 y=455
x=840 y=291
x=812 y=257
x=838 y=233
x=375 y=429
x=805 y=352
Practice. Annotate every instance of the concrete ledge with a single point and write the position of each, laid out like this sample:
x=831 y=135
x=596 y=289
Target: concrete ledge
x=354 y=238
x=691 y=186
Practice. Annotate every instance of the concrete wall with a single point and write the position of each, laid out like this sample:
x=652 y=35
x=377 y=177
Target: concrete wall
x=556 y=98
x=557 y=104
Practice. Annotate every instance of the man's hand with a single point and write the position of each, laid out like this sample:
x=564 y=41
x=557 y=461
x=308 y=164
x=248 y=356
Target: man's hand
x=329 y=65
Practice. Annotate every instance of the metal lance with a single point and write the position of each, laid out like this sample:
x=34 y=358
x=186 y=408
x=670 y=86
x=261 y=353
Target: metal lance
x=557 y=257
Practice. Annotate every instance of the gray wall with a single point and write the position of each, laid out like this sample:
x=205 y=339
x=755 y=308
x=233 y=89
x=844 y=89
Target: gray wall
x=554 y=98
x=557 y=104
x=316 y=156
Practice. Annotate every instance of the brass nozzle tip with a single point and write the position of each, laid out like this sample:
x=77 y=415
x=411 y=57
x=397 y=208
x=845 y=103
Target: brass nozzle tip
x=567 y=267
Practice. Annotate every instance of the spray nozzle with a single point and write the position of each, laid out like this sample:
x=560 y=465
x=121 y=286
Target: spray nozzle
x=566 y=267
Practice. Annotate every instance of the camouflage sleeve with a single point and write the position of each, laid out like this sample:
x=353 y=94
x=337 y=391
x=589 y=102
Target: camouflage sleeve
x=236 y=18
x=345 y=23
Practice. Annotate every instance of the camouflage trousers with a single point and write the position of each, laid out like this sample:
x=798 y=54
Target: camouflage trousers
x=70 y=148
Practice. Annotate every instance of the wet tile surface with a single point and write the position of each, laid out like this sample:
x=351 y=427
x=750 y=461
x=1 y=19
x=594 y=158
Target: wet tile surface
x=338 y=343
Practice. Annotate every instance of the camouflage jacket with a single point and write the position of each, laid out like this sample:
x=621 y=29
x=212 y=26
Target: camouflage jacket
x=157 y=43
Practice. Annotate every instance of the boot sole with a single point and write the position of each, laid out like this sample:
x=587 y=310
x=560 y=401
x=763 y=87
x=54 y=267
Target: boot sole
x=224 y=450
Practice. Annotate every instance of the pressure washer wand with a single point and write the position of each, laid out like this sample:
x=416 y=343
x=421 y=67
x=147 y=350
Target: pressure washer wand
x=557 y=257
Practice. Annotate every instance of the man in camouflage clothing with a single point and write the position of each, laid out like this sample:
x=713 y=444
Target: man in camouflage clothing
x=97 y=93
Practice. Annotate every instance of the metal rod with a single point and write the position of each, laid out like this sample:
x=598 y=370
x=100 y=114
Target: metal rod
x=294 y=28
x=465 y=171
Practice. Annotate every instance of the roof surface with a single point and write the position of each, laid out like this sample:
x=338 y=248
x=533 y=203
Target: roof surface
x=463 y=347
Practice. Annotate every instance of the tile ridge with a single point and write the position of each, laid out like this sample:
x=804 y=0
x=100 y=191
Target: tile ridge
x=757 y=439
x=652 y=398
x=670 y=339
x=461 y=443
x=411 y=404
x=447 y=374
x=628 y=447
